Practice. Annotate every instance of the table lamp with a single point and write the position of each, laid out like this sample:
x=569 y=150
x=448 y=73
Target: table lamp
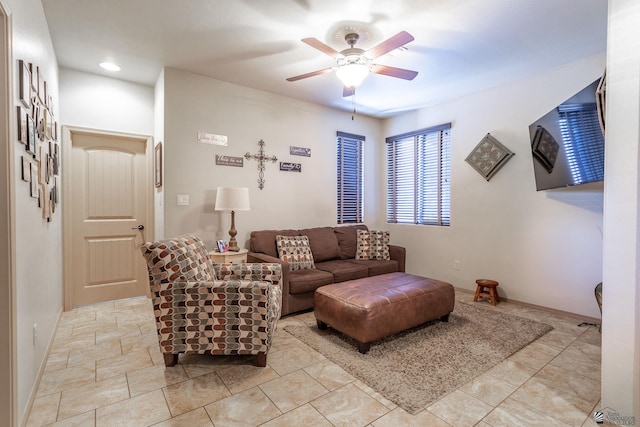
x=232 y=199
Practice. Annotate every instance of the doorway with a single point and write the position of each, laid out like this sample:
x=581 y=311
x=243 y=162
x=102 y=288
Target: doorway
x=8 y=412
x=108 y=214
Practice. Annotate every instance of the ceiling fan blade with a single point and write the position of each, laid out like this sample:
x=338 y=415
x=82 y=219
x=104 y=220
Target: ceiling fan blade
x=328 y=50
x=390 y=44
x=311 y=74
x=348 y=91
x=394 y=72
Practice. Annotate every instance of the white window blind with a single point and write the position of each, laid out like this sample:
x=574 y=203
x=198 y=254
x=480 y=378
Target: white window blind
x=418 y=177
x=350 y=150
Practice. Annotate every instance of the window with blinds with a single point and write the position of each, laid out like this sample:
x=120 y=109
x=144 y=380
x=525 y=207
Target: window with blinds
x=584 y=143
x=350 y=159
x=418 y=177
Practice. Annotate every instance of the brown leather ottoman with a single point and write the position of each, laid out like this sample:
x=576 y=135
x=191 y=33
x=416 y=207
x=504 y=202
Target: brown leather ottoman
x=375 y=307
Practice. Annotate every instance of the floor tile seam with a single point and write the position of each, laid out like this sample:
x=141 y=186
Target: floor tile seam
x=599 y=362
x=273 y=402
x=572 y=373
x=320 y=412
x=525 y=403
x=565 y=392
x=58 y=419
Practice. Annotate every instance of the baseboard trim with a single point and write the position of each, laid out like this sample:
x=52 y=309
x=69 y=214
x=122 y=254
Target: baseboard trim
x=576 y=316
x=43 y=365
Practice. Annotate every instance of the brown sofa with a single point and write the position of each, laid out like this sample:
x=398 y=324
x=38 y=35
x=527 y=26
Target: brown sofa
x=333 y=249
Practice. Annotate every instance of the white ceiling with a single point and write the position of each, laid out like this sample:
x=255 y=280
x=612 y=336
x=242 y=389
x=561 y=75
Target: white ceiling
x=460 y=46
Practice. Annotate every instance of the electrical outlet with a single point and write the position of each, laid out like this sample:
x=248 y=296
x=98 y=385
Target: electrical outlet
x=183 y=200
x=456 y=265
x=35 y=334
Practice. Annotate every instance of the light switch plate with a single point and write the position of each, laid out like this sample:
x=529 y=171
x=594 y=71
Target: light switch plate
x=183 y=200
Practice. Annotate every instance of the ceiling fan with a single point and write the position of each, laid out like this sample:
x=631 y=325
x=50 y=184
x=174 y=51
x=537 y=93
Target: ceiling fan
x=354 y=64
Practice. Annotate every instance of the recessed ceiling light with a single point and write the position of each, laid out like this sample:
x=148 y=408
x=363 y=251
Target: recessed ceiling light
x=110 y=66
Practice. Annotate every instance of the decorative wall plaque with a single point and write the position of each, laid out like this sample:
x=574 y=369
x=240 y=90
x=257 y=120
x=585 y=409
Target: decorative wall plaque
x=229 y=161
x=489 y=156
x=300 y=151
x=212 y=139
x=290 y=167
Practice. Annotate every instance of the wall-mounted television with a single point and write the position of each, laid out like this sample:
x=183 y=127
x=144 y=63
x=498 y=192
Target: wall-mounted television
x=567 y=144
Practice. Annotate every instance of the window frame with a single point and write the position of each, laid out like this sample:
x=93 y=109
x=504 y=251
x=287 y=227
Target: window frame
x=427 y=209
x=349 y=215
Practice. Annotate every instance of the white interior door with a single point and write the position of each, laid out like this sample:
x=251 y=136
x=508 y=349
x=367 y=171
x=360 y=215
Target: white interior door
x=109 y=218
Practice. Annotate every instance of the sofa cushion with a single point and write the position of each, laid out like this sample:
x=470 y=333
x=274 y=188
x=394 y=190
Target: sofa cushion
x=323 y=241
x=373 y=245
x=343 y=270
x=296 y=251
x=348 y=239
x=264 y=241
x=304 y=281
x=378 y=266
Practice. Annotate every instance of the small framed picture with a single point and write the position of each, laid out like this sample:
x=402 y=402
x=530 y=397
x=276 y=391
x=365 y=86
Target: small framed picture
x=56 y=159
x=25 y=83
x=31 y=136
x=22 y=126
x=34 y=80
x=26 y=169
x=41 y=94
x=34 y=181
x=158 y=165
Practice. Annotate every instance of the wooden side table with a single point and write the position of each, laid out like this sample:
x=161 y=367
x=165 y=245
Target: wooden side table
x=235 y=257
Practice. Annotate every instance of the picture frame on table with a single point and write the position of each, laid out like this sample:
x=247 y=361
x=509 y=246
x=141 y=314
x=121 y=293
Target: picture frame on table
x=25 y=83
x=157 y=162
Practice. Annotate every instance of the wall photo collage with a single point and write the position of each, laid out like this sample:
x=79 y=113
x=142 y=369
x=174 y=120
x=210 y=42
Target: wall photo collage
x=38 y=132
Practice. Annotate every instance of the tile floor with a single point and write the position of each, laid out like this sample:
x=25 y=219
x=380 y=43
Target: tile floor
x=105 y=369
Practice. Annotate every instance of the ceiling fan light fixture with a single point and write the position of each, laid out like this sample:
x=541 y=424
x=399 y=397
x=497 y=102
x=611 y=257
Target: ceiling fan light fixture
x=352 y=74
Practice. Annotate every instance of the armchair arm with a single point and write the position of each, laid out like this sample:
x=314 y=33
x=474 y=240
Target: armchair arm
x=261 y=257
x=267 y=272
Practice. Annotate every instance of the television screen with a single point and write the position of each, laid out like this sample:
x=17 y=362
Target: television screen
x=567 y=144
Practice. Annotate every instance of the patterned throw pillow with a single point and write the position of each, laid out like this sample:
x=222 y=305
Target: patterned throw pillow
x=296 y=251
x=373 y=245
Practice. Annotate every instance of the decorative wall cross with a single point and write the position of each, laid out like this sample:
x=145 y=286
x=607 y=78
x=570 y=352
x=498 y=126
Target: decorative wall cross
x=261 y=158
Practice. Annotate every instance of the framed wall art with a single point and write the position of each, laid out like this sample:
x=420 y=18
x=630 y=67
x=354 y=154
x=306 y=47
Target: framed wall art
x=489 y=156
x=158 y=165
x=22 y=126
x=25 y=83
x=38 y=131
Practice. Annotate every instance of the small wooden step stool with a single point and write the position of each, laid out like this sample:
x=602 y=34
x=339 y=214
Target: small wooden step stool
x=487 y=289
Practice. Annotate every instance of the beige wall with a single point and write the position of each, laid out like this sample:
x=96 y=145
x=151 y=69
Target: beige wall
x=99 y=102
x=38 y=262
x=544 y=248
x=621 y=289
x=194 y=103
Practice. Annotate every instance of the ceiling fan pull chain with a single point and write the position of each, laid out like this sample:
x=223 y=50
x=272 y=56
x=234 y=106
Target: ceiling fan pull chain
x=353 y=103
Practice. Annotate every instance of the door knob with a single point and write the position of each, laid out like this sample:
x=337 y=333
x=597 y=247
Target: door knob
x=140 y=227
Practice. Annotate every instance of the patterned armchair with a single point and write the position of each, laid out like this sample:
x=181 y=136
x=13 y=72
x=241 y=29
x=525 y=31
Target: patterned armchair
x=208 y=308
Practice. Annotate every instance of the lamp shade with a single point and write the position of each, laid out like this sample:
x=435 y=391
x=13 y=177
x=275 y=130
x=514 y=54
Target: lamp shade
x=232 y=199
x=352 y=74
